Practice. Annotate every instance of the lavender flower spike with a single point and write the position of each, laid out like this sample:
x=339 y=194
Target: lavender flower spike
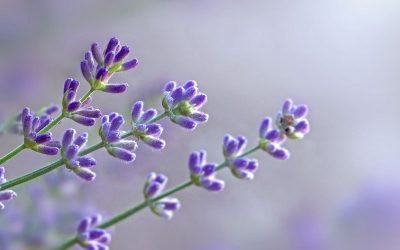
x=5 y=195
x=31 y=126
x=183 y=103
x=71 y=146
x=271 y=140
x=203 y=173
x=98 y=67
x=90 y=237
x=242 y=168
x=80 y=112
x=149 y=133
x=164 y=207
x=111 y=136
x=291 y=120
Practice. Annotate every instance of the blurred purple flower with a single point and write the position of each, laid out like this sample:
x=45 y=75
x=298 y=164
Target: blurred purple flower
x=183 y=103
x=241 y=167
x=71 y=146
x=98 y=67
x=41 y=143
x=111 y=136
x=291 y=120
x=5 y=195
x=153 y=187
x=90 y=237
x=80 y=112
x=203 y=173
x=142 y=127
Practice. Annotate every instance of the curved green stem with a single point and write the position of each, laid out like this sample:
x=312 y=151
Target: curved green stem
x=58 y=163
x=142 y=205
x=12 y=153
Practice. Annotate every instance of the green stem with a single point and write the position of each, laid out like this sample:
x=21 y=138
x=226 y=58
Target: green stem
x=12 y=153
x=142 y=205
x=58 y=163
x=49 y=126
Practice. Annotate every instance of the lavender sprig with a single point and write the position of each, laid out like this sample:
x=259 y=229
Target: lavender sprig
x=291 y=120
x=183 y=103
x=91 y=237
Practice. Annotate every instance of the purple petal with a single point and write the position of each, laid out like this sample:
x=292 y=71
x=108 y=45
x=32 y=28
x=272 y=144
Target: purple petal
x=115 y=88
x=231 y=147
x=86 y=121
x=213 y=184
x=199 y=116
x=199 y=100
x=194 y=163
x=101 y=74
x=73 y=106
x=137 y=110
x=154 y=142
x=86 y=72
x=273 y=135
x=240 y=163
x=84 y=225
x=96 y=51
x=116 y=123
x=147 y=115
x=123 y=154
x=265 y=126
x=47 y=150
x=85 y=174
x=71 y=151
x=91 y=113
x=287 y=105
x=301 y=111
x=209 y=169
x=303 y=127
x=109 y=58
x=170 y=86
x=129 y=64
x=86 y=161
x=190 y=84
x=67 y=137
x=7 y=195
x=154 y=129
x=184 y=122
x=112 y=44
x=127 y=144
x=121 y=54
x=27 y=125
x=42 y=138
x=177 y=95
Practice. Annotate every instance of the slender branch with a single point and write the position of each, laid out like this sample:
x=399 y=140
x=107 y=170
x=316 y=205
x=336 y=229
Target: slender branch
x=37 y=173
x=49 y=126
x=142 y=205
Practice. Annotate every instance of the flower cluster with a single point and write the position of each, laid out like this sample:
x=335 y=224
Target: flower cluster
x=112 y=138
x=271 y=140
x=241 y=167
x=14 y=124
x=5 y=195
x=32 y=125
x=90 y=237
x=71 y=146
x=183 y=103
x=202 y=173
x=164 y=207
x=291 y=120
x=79 y=111
x=98 y=67
x=144 y=129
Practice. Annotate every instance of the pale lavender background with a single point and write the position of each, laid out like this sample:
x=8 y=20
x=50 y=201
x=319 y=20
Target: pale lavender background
x=339 y=57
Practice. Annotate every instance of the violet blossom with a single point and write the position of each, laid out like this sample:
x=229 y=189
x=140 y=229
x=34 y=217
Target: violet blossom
x=291 y=120
x=91 y=237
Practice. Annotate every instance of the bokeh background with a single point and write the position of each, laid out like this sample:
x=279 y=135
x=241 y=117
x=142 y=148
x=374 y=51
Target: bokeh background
x=339 y=190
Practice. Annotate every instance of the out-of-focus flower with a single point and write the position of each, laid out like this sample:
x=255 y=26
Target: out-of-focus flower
x=142 y=127
x=41 y=143
x=203 y=173
x=183 y=103
x=291 y=120
x=98 y=67
x=80 y=112
x=241 y=167
x=5 y=195
x=271 y=140
x=110 y=134
x=71 y=146
x=90 y=237
x=164 y=207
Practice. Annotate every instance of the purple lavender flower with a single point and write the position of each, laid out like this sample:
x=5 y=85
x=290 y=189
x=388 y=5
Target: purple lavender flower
x=5 y=195
x=91 y=237
x=271 y=140
x=142 y=127
x=41 y=143
x=111 y=137
x=98 y=67
x=291 y=120
x=203 y=173
x=183 y=103
x=241 y=167
x=81 y=112
x=71 y=146
x=153 y=187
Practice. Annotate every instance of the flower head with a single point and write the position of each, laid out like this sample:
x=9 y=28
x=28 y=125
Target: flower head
x=112 y=137
x=241 y=167
x=31 y=126
x=183 y=103
x=291 y=120
x=98 y=67
x=144 y=129
x=271 y=140
x=71 y=146
x=203 y=173
x=80 y=112
x=91 y=237
x=153 y=187
x=5 y=195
